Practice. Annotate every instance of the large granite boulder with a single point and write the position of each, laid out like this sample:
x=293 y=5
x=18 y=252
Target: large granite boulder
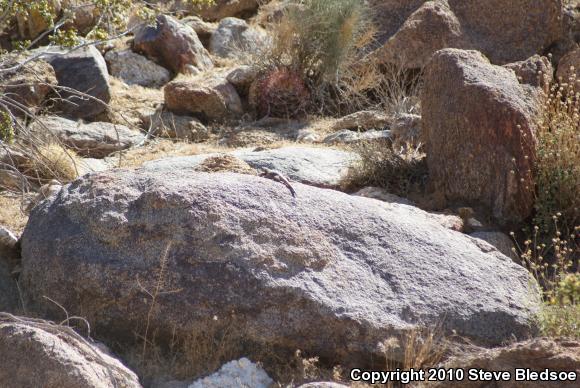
x=325 y=272
x=219 y=9
x=504 y=31
x=173 y=45
x=316 y=166
x=35 y=353
x=536 y=355
x=478 y=122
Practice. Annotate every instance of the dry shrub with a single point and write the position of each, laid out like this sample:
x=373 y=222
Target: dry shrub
x=225 y=163
x=557 y=169
x=12 y=215
x=420 y=348
x=50 y=161
x=554 y=265
x=398 y=173
x=329 y=44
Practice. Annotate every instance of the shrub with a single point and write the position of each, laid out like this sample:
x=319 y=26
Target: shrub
x=557 y=169
x=555 y=267
x=398 y=173
x=6 y=128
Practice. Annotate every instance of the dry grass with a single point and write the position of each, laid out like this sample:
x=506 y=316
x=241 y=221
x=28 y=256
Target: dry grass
x=129 y=101
x=399 y=173
x=12 y=215
x=225 y=162
x=51 y=161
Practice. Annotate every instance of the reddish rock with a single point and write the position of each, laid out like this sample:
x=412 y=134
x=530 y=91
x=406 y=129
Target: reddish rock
x=173 y=45
x=478 y=121
x=537 y=354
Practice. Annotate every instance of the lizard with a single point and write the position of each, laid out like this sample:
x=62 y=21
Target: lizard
x=277 y=177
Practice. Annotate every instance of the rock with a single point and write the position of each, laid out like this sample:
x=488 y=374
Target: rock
x=537 y=354
x=173 y=45
x=84 y=15
x=363 y=120
x=27 y=85
x=135 y=69
x=35 y=353
x=8 y=244
x=322 y=167
x=478 y=122
x=535 y=71
x=83 y=70
x=9 y=257
x=167 y=124
x=565 y=71
x=88 y=165
x=242 y=78
x=234 y=374
x=382 y=195
x=221 y=9
x=324 y=272
x=347 y=136
x=209 y=97
x=500 y=241
x=235 y=38
x=323 y=385
x=503 y=32
x=92 y=140
x=203 y=29
x=432 y=27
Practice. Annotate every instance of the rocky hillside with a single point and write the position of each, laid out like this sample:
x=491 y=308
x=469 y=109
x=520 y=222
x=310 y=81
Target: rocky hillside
x=288 y=193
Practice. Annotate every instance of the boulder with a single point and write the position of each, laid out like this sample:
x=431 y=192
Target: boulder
x=321 y=167
x=173 y=45
x=28 y=85
x=569 y=68
x=500 y=241
x=323 y=384
x=167 y=124
x=478 y=122
x=203 y=29
x=242 y=78
x=83 y=70
x=537 y=354
x=36 y=353
x=9 y=256
x=209 y=97
x=324 y=272
x=220 y=9
x=535 y=71
x=92 y=140
x=505 y=32
x=235 y=38
x=135 y=69
x=234 y=374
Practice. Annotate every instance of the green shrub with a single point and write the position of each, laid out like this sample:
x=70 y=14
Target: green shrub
x=6 y=128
